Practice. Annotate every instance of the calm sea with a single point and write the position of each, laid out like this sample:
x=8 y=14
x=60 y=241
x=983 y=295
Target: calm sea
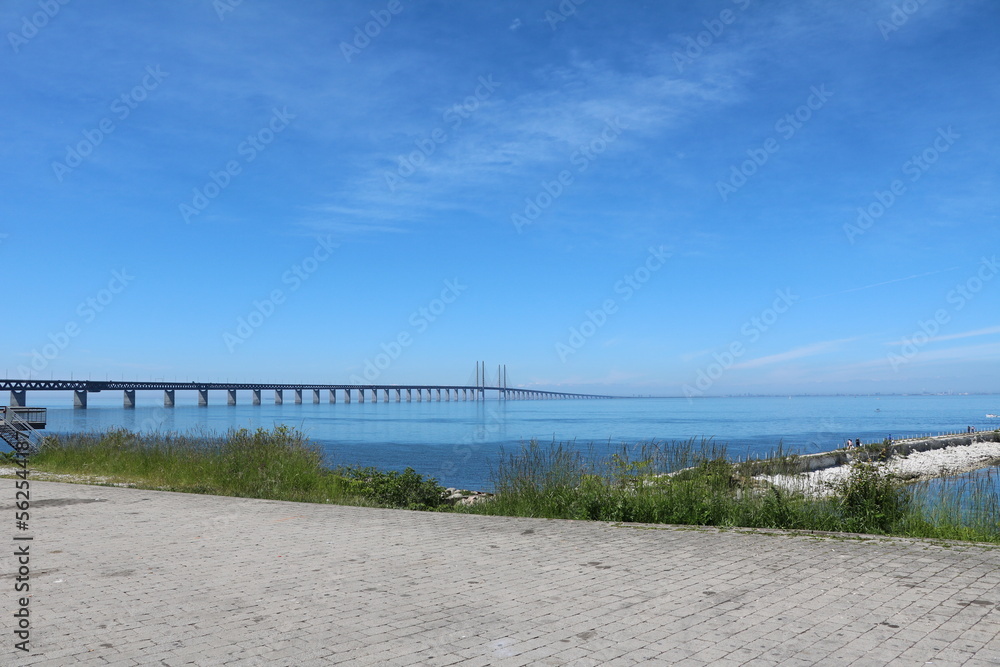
x=457 y=442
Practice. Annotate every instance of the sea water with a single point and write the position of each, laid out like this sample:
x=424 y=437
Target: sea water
x=460 y=442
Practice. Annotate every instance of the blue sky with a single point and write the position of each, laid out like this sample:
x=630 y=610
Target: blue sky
x=698 y=198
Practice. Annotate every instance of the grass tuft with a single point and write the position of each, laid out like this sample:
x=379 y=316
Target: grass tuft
x=689 y=483
x=277 y=464
x=696 y=484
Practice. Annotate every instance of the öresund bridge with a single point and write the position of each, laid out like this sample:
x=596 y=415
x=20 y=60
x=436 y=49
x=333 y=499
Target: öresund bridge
x=413 y=393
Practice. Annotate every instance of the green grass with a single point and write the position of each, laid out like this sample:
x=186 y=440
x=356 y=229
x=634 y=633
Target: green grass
x=689 y=483
x=278 y=464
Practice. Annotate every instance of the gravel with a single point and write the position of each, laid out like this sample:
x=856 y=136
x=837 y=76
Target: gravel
x=915 y=466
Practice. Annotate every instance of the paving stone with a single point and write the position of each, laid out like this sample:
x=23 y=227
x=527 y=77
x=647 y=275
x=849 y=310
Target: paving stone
x=146 y=577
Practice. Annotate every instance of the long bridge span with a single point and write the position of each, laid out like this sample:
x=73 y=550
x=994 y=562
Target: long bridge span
x=410 y=392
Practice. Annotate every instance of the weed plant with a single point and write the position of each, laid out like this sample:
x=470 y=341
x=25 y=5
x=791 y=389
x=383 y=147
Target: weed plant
x=279 y=464
x=688 y=482
x=405 y=489
x=696 y=484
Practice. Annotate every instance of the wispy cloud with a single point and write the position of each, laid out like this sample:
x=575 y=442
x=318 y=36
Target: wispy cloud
x=531 y=132
x=795 y=353
x=965 y=334
x=884 y=282
x=984 y=352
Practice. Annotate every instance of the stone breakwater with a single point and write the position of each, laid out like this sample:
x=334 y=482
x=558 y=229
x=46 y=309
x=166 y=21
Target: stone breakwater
x=464 y=497
x=910 y=460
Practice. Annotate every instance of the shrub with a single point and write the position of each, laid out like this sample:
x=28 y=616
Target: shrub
x=871 y=499
x=405 y=489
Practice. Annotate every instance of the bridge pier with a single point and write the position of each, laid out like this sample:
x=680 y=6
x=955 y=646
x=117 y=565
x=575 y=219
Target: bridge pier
x=168 y=398
x=347 y=396
x=398 y=395
x=203 y=397
x=315 y=395
x=18 y=399
x=231 y=397
x=80 y=399
x=298 y=396
x=128 y=398
x=333 y=395
x=385 y=396
x=420 y=395
x=256 y=396
x=279 y=397
x=361 y=395
x=409 y=395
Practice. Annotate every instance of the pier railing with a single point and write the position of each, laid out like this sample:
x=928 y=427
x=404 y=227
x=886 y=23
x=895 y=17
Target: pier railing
x=18 y=426
x=33 y=417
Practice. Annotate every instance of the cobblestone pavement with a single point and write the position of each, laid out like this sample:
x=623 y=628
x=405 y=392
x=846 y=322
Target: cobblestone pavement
x=130 y=577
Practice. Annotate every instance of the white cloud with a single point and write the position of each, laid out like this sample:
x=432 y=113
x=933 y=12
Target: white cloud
x=965 y=334
x=795 y=353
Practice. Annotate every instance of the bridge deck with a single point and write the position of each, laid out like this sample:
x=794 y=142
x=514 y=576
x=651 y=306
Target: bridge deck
x=93 y=386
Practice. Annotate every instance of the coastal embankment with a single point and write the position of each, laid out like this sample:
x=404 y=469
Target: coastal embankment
x=911 y=460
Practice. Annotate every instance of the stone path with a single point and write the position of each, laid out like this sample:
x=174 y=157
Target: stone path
x=130 y=577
